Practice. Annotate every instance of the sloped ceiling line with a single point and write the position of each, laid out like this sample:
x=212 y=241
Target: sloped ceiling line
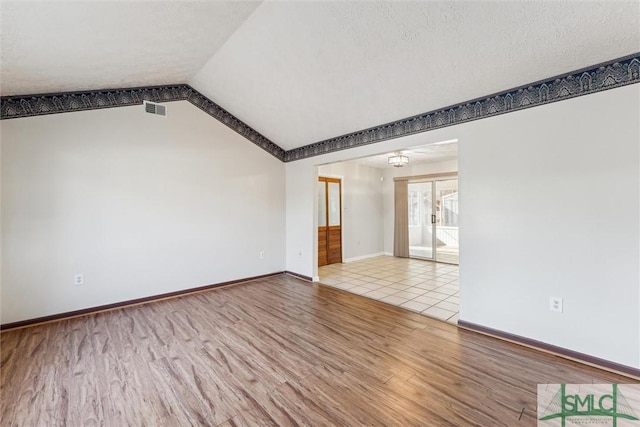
x=596 y=78
x=225 y=117
x=12 y=107
x=604 y=76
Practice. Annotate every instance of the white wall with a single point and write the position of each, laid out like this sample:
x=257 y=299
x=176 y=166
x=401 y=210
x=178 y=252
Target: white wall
x=549 y=207
x=410 y=170
x=537 y=189
x=301 y=218
x=362 y=230
x=140 y=204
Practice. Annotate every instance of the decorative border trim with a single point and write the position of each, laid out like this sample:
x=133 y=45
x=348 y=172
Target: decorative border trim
x=123 y=304
x=52 y=103
x=234 y=123
x=555 y=350
x=607 y=75
x=13 y=107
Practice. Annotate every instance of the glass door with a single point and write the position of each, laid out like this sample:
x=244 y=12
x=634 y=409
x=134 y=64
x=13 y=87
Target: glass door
x=421 y=217
x=446 y=221
x=433 y=220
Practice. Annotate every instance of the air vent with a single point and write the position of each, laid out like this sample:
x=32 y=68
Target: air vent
x=154 y=108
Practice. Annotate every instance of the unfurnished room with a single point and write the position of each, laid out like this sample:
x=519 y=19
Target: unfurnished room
x=319 y=213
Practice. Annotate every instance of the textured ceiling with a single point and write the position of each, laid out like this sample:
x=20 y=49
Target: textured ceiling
x=438 y=152
x=56 y=46
x=307 y=71
x=301 y=72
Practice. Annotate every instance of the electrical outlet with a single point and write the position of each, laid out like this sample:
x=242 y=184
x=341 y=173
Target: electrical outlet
x=555 y=304
x=261 y=254
x=78 y=279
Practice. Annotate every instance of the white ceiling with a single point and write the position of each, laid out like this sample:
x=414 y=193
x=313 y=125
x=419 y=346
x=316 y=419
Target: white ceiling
x=300 y=72
x=56 y=46
x=438 y=152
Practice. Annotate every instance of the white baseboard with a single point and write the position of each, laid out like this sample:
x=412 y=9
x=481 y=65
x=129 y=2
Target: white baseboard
x=316 y=278
x=358 y=258
x=388 y=253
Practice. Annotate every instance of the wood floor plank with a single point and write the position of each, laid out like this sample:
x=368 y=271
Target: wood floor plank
x=42 y=393
x=276 y=351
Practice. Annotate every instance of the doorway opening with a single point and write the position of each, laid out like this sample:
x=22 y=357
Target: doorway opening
x=424 y=282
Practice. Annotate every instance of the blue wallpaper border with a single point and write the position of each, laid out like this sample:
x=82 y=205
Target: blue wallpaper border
x=608 y=75
x=13 y=107
x=604 y=76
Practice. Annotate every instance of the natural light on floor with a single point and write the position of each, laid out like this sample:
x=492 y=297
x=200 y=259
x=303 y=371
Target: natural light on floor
x=425 y=287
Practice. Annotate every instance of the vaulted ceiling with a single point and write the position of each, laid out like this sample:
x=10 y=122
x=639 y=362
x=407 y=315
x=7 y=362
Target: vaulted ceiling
x=300 y=72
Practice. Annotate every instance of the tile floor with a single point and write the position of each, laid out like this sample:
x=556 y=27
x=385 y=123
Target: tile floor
x=425 y=287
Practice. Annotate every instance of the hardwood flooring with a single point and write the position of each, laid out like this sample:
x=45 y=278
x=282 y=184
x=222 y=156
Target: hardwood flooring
x=275 y=351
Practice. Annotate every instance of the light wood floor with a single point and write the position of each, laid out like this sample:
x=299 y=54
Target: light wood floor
x=277 y=351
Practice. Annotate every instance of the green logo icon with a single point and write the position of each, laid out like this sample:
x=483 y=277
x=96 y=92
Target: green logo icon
x=587 y=404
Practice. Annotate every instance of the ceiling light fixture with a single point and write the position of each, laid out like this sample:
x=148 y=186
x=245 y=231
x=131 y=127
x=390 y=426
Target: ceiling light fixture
x=398 y=160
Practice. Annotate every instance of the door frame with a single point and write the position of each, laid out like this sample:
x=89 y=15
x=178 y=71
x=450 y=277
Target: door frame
x=315 y=221
x=432 y=223
x=433 y=178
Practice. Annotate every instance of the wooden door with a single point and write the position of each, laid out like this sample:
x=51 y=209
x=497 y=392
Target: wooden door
x=329 y=221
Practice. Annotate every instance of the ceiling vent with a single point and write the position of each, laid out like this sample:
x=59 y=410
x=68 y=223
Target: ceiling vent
x=154 y=108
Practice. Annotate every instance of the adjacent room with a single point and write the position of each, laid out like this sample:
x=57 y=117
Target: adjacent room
x=357 y=230
x=267 y=213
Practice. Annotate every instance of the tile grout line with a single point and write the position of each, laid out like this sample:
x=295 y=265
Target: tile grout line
x=343 y=278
